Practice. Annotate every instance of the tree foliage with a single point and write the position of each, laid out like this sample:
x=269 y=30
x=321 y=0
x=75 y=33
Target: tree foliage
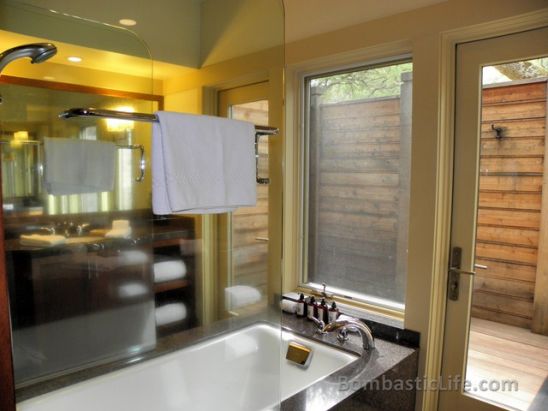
x=355 y=85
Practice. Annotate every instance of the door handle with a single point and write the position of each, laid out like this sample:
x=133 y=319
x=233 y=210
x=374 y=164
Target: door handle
x=459 y=271
x=481 y=266
x=453 y=280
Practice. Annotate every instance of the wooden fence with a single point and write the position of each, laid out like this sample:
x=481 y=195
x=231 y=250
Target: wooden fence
x=510 y=202
x=358 y=191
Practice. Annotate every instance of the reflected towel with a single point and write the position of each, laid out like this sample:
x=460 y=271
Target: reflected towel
x=241 y=295
x=37 y=240
x=202 y=164
x=119 y=233
x=169 y=270
x=78 y=166
x=170 y=313
x=132 y=290
x=133 y=257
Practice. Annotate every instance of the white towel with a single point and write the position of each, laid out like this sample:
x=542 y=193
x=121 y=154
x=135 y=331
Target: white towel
x=37 y=240
x=132 y=290
x=240 y=296
x=78 y=166
x=170 y=313
x=119 y=233
x=202 y=164
x=169 y=270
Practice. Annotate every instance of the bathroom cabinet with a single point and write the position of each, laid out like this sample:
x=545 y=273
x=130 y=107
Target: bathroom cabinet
x=174 y=238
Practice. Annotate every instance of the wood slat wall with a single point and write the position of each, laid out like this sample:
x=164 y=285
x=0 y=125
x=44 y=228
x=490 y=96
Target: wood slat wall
x=510 y=196
x=354 y=194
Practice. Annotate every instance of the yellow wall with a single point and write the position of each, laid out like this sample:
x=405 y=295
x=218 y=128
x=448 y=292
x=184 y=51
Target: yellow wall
x=419 y=32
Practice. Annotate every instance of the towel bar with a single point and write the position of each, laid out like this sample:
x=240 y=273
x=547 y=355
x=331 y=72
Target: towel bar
x=140 y=147
x=151 y=118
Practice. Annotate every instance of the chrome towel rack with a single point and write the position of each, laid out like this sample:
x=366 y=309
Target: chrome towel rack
x=151 y=118
x=141 y=148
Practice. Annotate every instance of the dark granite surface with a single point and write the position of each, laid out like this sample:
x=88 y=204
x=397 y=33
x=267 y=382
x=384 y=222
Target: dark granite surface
x=384 y=327
x=325 y=394
x=342 y=386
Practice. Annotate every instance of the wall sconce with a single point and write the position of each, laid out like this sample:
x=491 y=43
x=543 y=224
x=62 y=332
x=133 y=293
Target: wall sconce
x=116 y=125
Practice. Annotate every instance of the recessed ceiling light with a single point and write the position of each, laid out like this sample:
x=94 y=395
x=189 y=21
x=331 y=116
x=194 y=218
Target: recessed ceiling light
x=74 y=59
x=127 y=22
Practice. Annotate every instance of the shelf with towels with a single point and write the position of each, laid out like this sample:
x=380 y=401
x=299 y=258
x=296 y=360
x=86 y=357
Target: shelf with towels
x=171 y=285
x=173 y=243
x=151 y=118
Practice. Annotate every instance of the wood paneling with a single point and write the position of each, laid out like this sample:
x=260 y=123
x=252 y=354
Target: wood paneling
x=509 y=214
x=355 y=178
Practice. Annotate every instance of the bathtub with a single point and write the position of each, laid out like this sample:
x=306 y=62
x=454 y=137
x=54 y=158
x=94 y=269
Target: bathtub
x=242 y=370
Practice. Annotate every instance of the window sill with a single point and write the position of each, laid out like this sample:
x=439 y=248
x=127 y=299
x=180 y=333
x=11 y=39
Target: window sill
x=358 y=309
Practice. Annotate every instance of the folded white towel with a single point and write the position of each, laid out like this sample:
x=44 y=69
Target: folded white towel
x=120 y=224
x=78 y=166
x=170 y=313
x=202 y=164
x=132 y=290
x=119 y=233
x=37 y=240
x=169 y=270
x=133 y=257
x=241 y=295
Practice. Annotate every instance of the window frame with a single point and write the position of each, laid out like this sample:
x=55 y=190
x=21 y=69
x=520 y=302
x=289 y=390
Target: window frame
x=355 y=299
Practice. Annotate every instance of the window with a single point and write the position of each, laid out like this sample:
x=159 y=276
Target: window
x=357 y=164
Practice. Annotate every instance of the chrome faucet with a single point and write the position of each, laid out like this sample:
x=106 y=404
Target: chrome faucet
x=319 y=323
x=352 y=324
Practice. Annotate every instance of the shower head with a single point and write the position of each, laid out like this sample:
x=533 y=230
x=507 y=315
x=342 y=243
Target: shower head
x=38 y=53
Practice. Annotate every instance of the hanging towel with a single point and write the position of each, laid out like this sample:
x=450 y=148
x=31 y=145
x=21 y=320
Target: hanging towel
x=202 y=164
x=78 y=166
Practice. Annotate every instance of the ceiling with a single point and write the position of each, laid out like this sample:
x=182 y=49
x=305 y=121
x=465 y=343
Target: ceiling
x=171 y=28
x=307 y=18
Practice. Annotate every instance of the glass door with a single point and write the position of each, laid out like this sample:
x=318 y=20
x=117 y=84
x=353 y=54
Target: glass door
x=496 y=332
x=245 y=232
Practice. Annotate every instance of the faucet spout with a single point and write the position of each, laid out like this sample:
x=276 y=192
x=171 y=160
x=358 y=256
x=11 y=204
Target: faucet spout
x=352 y=324
x=319 y=323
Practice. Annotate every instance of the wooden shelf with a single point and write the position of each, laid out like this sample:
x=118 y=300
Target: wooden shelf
x=171 y=285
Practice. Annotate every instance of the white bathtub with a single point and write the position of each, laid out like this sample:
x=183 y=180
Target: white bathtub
x=238 y=371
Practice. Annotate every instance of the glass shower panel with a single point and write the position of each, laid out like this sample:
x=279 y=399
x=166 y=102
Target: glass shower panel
x=101 y=279
x=77 y=224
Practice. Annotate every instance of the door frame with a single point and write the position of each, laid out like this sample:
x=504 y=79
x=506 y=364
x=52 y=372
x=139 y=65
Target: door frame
x=225 y=99
x=522 y=45
x=444 y=185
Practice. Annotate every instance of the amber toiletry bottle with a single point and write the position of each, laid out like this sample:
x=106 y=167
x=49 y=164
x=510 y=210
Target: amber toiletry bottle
x=333 y=313
x=322 y=311
x=312 y=308
x=301 y=306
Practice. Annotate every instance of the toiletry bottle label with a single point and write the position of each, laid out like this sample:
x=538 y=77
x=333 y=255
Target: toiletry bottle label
x=310 y=312
x=333 y=314
x=300 y=308
x=321 y=313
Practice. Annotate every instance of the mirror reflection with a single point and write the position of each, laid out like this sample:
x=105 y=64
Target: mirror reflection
x=94 y=275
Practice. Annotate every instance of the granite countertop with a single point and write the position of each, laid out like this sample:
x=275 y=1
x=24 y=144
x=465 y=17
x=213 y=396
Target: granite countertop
x=335 y=388
x=322 y=395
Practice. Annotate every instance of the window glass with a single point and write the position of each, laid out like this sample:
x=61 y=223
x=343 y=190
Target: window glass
x=357 y=182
